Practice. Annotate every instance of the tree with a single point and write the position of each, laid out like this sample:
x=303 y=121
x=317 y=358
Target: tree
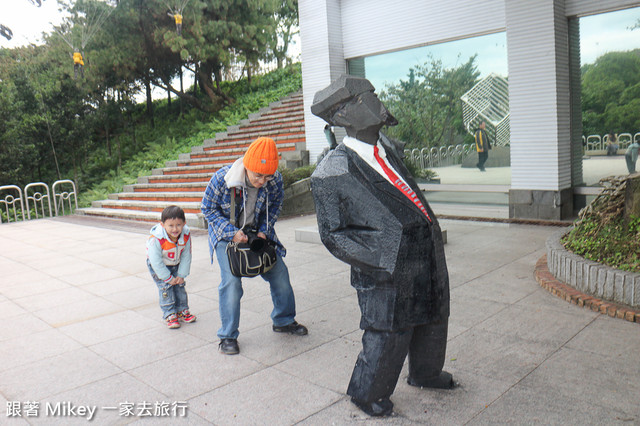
x=427 y=104
x=611 y=93
x=287 y=24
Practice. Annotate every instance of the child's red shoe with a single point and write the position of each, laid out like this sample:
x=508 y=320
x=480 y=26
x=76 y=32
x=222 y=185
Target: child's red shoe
x=172 y=321
x=186 y=316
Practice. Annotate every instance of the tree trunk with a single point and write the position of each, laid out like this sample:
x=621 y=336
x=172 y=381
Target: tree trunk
x=119 y=151
x=181 y=90
x=53 y=149
x=147 y=85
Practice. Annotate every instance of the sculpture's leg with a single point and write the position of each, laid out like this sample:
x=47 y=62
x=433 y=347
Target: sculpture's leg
x=426 y=356
x=377 y=370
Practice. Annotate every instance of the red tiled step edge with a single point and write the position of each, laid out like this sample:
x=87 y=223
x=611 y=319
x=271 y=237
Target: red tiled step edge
x=571 y=295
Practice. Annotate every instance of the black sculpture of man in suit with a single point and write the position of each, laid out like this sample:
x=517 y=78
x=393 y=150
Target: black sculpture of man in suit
x=372 y=215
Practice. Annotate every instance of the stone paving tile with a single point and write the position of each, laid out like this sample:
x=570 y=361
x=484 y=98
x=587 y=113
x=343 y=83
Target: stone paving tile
x=329 y=365
x=447 y=407
x=108 y=327
x=337 y=317
x=268 y=396
x=617 y=379
x=34 y=347
x=23 y=325
x=60 y=297
x=603 y=337
x=535 y=324
x=195 y=372
x=520 y=354
x=30 y=284
x=524 y=405
x=267 y=347
x=497 y=356
x=107 y=395
x=61 y=315
x=135 y=350
x=10 y=309
x=467 y=311
x=42 y=379
x=115 y=285
x=92 y=276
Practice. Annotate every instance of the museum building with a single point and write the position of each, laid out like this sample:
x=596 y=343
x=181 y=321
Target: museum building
x=543 y=58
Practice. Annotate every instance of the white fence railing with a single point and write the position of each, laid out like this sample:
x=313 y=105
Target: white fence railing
x=427 y=158
x=593 y=143
x=36 y=197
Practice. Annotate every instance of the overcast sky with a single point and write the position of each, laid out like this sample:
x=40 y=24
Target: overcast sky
x=599 y=34
x=27 y=21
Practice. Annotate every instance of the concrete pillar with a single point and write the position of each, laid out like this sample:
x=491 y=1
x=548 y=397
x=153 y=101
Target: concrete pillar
x=322 y=61
x=540 y=105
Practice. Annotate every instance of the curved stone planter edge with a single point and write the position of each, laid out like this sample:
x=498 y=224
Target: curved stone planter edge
x=594 y=279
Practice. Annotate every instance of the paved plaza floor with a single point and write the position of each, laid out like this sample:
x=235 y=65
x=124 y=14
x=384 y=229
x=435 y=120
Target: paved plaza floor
x=82 y=327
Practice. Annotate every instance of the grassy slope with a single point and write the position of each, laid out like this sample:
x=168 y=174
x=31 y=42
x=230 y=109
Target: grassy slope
x=172 y=135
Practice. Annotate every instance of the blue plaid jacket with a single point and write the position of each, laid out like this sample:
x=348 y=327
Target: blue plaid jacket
x=216 y=207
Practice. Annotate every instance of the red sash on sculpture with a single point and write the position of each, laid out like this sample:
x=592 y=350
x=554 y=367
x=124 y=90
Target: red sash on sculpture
x=403 y=187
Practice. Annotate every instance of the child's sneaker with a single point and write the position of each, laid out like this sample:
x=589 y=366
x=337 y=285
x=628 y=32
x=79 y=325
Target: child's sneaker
x=172 y=321
x=186 y=316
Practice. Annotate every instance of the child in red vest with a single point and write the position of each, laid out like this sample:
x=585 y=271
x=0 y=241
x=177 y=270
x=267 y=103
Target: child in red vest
x=169 y=262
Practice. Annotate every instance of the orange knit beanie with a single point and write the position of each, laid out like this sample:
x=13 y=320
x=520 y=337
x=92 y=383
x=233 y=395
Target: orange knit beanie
x=262 y=156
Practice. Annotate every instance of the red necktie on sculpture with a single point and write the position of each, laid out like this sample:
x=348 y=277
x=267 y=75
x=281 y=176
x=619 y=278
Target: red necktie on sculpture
x=403 y=187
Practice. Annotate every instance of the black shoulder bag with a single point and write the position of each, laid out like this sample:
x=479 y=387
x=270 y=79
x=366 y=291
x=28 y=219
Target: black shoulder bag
x=252 y=258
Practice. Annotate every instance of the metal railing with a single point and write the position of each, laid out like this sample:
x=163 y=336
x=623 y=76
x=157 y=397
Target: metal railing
x=426 y=158
x=37 y=199
x=594 y=143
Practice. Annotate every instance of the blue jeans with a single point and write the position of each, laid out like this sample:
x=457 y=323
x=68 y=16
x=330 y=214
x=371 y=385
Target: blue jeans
x=173 y=298
x=230 y=292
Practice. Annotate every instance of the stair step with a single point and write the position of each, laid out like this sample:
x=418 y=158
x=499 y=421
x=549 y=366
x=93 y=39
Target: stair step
x=237 y=150
x=283 y=136
x=193 y=220
x=222 y=160
x=148 y=206
x=168 y=196
x=243 y=141
x=200 y=168
x=179 y=177
x=183 y=181
x=170 y=187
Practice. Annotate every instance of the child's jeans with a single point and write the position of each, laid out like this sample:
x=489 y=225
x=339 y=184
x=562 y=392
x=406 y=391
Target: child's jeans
x=173 y=298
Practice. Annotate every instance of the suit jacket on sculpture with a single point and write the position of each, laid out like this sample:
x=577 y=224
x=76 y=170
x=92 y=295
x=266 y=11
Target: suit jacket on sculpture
x=396 y=255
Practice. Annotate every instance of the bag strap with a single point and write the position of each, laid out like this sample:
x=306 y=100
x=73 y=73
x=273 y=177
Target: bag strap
x=232 y=219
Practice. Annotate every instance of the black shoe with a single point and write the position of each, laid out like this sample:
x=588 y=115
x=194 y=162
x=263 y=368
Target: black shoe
x=379 y=408
x=443 y=381
x=229 y=346
x=293 y=328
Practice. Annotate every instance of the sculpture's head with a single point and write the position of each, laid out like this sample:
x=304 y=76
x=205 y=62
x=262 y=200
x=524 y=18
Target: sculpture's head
x=350 y=102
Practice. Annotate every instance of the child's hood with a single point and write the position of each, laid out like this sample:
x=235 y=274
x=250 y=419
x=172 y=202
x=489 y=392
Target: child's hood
x=159 y=232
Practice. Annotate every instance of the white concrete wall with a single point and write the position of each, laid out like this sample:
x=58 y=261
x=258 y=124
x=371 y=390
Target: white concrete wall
x=322 y=61
x=538 y=56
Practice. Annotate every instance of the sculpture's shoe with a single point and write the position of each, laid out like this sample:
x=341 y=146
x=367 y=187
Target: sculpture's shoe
x=379 y=408
x=443 y=381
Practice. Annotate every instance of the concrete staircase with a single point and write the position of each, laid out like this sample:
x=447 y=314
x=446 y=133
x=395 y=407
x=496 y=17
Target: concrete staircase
x=182 y=182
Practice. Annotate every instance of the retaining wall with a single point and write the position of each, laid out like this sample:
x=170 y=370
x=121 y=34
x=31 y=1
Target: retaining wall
x=589 y=277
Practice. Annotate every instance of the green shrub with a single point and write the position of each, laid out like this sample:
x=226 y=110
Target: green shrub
x=290 y=176
x=614 y=243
